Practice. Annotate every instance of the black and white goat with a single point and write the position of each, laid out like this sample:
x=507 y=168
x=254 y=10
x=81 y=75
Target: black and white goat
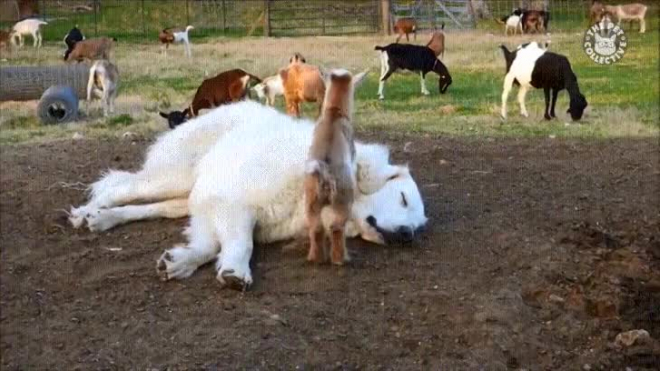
x=414 y=58
x=71 y=39
x=532 y=66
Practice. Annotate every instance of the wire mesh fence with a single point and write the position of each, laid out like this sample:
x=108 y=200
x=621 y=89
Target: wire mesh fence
x=141 y=20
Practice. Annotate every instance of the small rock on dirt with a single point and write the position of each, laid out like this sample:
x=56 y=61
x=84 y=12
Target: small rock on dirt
x=629 y=338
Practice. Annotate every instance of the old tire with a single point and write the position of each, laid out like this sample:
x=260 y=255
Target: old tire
x=58 y=105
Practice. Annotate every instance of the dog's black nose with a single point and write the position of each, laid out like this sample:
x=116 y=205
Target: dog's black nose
x=405 y=234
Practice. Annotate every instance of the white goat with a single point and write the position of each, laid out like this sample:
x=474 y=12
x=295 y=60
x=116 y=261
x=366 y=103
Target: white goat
x=27 y=27
x=514 y=22
x=103 y=83
x=270 y=88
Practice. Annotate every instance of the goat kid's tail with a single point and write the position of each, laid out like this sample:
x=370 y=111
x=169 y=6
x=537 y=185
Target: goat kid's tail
x=379 y=47
x=326 y=182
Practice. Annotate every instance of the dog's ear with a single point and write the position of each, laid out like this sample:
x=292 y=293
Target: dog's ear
x=164 y=115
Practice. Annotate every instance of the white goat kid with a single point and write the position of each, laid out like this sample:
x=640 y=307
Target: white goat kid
x=30 y=27
x=513 y=22
x=182 y=37
x=270 y=88
x=103 y=83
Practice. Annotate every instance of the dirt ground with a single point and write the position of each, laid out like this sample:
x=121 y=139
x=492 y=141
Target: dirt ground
x=538 y=253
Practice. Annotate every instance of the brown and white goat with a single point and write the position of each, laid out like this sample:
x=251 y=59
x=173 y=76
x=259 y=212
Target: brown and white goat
x=226 y=87
x=103 y=83
x=302 y=83
x=92 y=49
x=405 y=26
x=331 y=169
x=437 y=41
x=628 y=12
x=170 y=35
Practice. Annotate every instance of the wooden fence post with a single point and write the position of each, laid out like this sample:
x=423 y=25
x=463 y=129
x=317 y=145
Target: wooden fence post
x=385 y=13
x=267 y=18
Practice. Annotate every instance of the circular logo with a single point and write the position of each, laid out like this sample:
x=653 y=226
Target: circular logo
x=605 y=42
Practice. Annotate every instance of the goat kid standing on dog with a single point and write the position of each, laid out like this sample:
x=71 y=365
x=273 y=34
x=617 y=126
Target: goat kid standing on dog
x=331 y=168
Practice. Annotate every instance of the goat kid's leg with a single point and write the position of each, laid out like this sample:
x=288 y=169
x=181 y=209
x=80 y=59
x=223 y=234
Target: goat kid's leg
x=546 y=113
x=642 y=25
x=423 y=83
x=508 y=83
x=381 y=84
x=555 y=92
x=182 y=261
x=234 y=226
x=104 y=219
x=339 y=253
x=313 y=207
x=521 y=100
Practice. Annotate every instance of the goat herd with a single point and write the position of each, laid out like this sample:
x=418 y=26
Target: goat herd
x=530 y=65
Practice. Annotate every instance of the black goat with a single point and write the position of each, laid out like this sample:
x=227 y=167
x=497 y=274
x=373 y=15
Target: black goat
x=71 y=39
x=414 y=58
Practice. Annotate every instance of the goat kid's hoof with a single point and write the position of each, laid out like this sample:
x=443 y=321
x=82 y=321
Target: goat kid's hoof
x=380 y=97
x=229 y=279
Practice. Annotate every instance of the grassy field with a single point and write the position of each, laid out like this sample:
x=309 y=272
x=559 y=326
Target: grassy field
x=623 y=98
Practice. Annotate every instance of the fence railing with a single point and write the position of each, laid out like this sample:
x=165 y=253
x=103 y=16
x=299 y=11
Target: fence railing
x=141 y=20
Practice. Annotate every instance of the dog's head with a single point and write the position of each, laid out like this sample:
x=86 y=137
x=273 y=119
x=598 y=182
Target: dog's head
x=388 y=207
x=175 y=118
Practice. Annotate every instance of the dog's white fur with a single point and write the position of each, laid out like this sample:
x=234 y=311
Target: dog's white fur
x=238 y=172
x=103 y=83
x=27 y=27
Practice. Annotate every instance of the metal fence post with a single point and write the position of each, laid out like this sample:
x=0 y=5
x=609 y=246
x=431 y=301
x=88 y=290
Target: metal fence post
x=144 y=24
x=267 y=18
x=96 y=18
x=187 y=14
x=224 y=18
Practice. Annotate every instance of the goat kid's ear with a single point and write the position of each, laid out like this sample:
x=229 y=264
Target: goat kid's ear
x=359 y=78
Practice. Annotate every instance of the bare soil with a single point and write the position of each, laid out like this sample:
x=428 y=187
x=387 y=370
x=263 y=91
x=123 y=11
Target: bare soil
x=538 y=253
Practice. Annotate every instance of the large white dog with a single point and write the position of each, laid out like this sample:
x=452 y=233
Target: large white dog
x=238 y=172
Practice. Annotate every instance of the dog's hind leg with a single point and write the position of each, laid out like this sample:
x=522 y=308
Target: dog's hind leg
x=103 y=219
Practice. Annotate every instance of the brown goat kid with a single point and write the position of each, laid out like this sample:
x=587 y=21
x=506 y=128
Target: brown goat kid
x=437 y=42
x=92 y=49
x=405 y=26
x=330 y=169
x=302 y=83
x=628 y=12
x=226 y=87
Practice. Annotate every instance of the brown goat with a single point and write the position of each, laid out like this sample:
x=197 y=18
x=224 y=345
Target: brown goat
x=4 y=39
x=437 y=42
x=330 y=170
x=302 y=83
x=92 y=49
x=405 y=26
x=226 y=87
x=629 y=12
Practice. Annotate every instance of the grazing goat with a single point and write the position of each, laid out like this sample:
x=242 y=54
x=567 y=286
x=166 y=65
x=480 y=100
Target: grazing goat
x=596 y=12
x=92 y=49
x=630 y=12
x=174 y=35
x=415 y=58
x=330 y=170
x=405 y=26
x=28 y=27
x=4 y=39
x=535 y=21
x=226 y=87
x=71 y=39
x=531 y=66
x=270 y=88
x=437 y=41
x=301 y=83
x=103 y=83
x=511 y=22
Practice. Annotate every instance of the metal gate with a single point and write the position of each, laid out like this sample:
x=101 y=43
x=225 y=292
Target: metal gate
x=431 y=13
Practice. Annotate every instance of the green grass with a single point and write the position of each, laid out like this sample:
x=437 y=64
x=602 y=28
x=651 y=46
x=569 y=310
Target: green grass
x=623 y=98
